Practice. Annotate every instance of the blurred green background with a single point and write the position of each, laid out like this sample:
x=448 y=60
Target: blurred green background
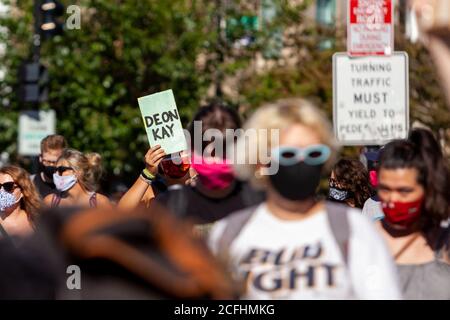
x=244 y=53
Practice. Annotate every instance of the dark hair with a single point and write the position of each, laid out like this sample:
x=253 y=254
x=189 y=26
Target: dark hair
x=354 y=177
x=214 y=116
x=422 y=152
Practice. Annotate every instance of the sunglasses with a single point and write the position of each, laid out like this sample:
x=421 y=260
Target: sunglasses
x=8 y=186
x=313 y=155
x=61 y=169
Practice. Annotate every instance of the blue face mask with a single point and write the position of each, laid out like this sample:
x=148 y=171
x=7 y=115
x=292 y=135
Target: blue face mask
x=64 y=183
x=7 y=200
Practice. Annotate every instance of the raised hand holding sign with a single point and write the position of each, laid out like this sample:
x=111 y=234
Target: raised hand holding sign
x=162 y=121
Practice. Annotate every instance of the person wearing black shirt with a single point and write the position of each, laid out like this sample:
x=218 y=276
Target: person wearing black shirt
x=209 y=191
x=52 y=147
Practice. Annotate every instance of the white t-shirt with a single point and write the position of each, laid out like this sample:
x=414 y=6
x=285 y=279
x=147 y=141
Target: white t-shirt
x=372 y=209
x=281 y=259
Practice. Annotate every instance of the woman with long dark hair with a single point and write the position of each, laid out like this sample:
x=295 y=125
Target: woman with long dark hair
x=349 y=183
x=414 y=191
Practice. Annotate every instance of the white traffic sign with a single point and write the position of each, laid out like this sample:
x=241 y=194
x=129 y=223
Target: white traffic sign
x=33 y=127
x=370 y=27
x=370 y=98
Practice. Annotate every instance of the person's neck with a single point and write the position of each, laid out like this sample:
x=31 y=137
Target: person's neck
x=74 y=193
x=399 y=231
x=12 y=212
x=292 y=210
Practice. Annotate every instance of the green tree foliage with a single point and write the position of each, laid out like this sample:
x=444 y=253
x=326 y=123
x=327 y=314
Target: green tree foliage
x=129 y=48
x=123 y=50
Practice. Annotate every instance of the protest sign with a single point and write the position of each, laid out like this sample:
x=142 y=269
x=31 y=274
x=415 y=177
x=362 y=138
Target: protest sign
x=370 y=98
x=370 y=27
x=162 y=121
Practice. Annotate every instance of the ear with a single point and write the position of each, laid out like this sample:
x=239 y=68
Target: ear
x=19 y=194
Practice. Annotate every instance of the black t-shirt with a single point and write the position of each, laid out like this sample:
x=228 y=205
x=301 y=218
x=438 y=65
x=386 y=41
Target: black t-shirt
x=188 y=202
x=44 y=188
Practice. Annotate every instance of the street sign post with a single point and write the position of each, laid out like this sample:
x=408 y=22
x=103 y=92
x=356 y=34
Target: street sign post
x=370 y=27
x=370 y=98
x=33 y=127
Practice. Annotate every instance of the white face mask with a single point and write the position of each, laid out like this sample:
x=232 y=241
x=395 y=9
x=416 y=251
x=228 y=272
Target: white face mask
x=7 y=200
x=64 y=183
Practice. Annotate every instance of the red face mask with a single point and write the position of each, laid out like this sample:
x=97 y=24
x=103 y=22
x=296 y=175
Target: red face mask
x=402 y=213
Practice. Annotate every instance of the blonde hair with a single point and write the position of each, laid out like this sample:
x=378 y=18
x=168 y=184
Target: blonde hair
x=279 y=115
x=88 y=166
x=31 y=201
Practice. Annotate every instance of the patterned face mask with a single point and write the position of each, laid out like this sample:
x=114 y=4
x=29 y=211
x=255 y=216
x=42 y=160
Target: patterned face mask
x=338 y=194
x=7 y=200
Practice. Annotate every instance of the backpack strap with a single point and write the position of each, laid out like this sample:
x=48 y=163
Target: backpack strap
x=232 y=229
x=5 y=236
x=442 y=243
x=340 y=227
x=177 y=201
x=56 y=199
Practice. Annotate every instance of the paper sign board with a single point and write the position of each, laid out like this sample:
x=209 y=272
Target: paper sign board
x=370 y=98
x=33 y=127
x=162 y=121
x=370 y=27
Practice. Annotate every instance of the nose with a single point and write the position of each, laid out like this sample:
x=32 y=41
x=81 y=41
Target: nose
x=392 y=197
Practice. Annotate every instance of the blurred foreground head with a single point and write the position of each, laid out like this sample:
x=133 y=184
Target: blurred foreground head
x=298 y=138
x=144 y=254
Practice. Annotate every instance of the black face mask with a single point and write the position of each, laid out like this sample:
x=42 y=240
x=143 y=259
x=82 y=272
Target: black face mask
x=48 y=171
x=298 y=181
x=339 y=195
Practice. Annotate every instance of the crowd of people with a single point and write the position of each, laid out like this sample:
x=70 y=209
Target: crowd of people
x=198 y=225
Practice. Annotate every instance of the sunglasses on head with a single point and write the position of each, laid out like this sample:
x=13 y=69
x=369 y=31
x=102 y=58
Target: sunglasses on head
x=313 y=155
x=8 y=186
x=61 y=169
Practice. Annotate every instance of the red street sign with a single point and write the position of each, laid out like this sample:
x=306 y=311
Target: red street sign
x=370 y=27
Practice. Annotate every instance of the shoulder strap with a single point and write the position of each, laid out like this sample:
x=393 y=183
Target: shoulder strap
x=5 y=236
x=3 y=232
x=177 y=202
x=56 y=199
x=93 y=200
x=338 y=220
x=442 y=243
x=233 y=227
